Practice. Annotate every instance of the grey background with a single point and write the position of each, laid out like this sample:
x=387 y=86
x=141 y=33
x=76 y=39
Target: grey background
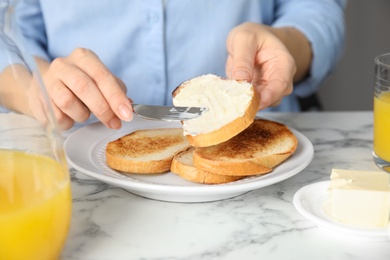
x=349 y=88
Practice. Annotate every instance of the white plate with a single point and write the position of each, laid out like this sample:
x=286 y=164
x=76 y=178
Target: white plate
x=310 y=200
x=85 y=151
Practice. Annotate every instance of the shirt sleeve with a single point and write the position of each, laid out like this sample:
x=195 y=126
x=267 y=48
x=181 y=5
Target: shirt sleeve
x=12 y=44
x=322 y=22
x=31 y=23
x=8 y=52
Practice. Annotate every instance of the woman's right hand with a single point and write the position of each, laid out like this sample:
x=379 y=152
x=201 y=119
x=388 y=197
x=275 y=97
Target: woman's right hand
x=81 y=84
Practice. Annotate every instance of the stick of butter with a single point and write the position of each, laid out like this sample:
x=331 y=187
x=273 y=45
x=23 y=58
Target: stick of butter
x=359 y=198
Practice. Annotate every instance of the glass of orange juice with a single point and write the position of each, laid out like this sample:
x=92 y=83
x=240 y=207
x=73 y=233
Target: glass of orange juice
x=35 y=195
x=382 y=112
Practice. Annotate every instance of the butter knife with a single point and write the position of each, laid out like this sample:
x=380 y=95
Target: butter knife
x=168 y=113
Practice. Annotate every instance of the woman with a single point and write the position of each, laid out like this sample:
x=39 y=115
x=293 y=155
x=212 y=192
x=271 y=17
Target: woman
x=95 y=55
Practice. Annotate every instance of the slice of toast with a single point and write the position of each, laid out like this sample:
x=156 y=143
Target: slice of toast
x=256 y=150
x=146 y=151
x=232 y=106
x=183 y=166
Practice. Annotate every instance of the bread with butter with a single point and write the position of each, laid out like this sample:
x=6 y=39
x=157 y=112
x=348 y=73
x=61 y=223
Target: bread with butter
x=256 y=150
x=183 y=166
x=146 y=151
x=232 y=106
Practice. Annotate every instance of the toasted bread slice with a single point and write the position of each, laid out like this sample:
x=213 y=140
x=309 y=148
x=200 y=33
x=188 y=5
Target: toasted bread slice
x=256 y=150
x=232 y=106
x=146 y=151
x=183 y=166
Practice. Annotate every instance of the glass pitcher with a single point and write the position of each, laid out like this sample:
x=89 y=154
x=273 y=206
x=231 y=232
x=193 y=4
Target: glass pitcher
x=35 y=195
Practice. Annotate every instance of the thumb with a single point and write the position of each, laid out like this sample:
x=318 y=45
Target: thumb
x=242 y=53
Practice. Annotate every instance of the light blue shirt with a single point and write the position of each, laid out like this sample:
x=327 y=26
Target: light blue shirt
x=154 y=45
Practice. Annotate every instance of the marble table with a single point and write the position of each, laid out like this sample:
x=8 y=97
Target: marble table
x=111 y=223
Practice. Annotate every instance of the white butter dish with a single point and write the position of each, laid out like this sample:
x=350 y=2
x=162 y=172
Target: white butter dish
x=310 y=200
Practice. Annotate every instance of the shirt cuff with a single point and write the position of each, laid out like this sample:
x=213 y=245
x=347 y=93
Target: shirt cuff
x=327 y=41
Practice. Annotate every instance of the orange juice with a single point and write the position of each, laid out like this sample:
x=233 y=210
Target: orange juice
x=35 y=206
x=382 y=126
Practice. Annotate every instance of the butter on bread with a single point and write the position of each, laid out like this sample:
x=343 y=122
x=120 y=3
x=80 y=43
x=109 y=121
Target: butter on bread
x=256 y=150
x=182 y=165
x=146 y=151
x=232 y=106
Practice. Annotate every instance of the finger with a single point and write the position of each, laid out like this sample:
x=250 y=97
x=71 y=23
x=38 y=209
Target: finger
x=242 y=47
x=272 y=94
x=121 y=84
x=86 y=91
x=67 y=102
x=108 y=85
x=228 y=67
x=64 y=121
x=40 y=110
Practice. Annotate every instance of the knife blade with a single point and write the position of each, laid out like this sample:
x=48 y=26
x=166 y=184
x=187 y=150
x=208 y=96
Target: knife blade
x=168 y=113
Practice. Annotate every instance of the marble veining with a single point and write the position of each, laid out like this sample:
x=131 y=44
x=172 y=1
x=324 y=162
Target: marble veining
x=111 y=223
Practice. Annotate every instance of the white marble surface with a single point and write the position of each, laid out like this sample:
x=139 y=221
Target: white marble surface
x=111 y=223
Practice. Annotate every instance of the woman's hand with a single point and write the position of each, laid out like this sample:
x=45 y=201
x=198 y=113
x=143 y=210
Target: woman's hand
x=271 y=58
x=80 y=84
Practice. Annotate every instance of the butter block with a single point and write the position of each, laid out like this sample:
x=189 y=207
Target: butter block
x=359 y=198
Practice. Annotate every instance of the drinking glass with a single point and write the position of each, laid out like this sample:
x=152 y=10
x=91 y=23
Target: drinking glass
x=35 y=197
x=382 y=112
